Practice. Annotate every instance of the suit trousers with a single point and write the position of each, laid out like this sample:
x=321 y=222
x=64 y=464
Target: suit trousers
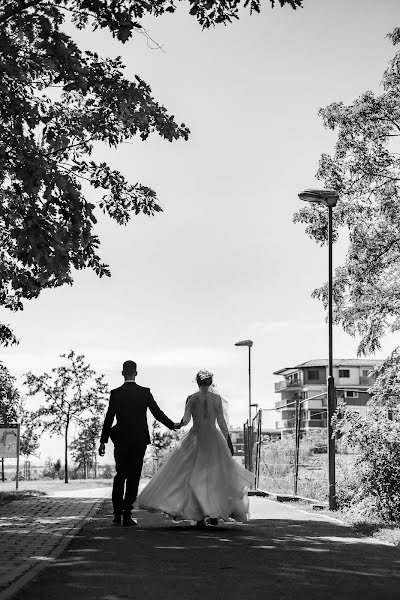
x=128 y=466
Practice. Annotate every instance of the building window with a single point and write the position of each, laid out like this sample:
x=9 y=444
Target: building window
x=313 y=375
x=366 y=372
x=344 y=372
x=350 y=394
x=316 y=416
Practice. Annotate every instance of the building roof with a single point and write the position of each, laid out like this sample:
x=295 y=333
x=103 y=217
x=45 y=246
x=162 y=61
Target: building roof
x=286 y=371
x=337 y=362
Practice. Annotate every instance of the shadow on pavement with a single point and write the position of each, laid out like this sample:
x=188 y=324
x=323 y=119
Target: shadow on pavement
x=277 y=558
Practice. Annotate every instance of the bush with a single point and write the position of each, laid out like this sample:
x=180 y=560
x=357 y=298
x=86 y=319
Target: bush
x=348 y=483
x=378 y=465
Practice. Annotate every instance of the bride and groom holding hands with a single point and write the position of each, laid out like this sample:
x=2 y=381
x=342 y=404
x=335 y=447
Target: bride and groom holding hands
x=199 y=481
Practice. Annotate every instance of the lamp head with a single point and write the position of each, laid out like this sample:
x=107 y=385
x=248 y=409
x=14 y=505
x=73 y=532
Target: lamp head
x=325 y=197
x=248 y=343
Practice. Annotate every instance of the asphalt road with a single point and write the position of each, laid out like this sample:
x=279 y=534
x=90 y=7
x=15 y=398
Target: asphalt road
x=281 y=553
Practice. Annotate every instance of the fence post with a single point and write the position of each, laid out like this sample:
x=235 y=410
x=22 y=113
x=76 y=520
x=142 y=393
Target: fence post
x=246 y=446
x=258 y=448
x=250 y=446
x=297 y=446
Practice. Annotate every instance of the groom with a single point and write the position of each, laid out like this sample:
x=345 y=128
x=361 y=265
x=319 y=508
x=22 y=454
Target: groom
x=130 y=435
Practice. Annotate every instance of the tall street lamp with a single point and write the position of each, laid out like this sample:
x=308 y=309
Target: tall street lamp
x=328 y=198
x=249 y=344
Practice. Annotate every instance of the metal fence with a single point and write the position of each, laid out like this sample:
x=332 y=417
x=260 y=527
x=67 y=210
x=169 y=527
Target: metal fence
x=294 y=463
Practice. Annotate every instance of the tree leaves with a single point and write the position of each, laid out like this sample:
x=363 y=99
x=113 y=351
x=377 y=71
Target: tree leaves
x=10 y=398
x=365 y=170
x=56 y=102
x=46 y=223
x=12 y=411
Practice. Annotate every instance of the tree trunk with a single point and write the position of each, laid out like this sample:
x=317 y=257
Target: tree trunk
x=66 y=454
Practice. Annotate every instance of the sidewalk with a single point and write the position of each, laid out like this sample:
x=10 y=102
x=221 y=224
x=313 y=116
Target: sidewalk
x=281 y=553
x=34 y=531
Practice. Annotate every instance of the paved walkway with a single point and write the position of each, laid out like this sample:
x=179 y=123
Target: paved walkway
x=281 y=553
x=34 y=531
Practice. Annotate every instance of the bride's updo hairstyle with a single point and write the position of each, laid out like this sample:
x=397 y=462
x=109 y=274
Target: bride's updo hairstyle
x=204 y=378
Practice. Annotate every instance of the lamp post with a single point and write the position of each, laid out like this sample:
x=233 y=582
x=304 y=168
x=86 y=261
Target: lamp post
x=249 y=344
x=328 y=198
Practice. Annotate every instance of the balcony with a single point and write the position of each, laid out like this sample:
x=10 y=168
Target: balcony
x=284 y=424
x=369 y=381
x=288 y=385
x=310 y=423
x=284 y=403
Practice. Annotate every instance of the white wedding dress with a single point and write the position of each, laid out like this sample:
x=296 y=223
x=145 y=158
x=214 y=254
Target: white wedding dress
x=200 y=478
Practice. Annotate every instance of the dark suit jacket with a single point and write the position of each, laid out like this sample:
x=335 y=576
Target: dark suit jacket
x=129 y=404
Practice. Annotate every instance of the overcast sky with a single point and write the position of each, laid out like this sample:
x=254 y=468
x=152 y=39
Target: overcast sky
x=224 y=261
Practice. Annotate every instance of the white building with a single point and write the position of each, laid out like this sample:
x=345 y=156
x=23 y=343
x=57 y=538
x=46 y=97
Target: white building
x=308 y=382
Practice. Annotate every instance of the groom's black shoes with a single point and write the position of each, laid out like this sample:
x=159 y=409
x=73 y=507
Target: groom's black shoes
x=128 y=522
x=117 y=520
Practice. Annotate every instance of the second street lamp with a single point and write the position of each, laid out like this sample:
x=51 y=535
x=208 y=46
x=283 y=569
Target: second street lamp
x=329 y=199
x=249 y=344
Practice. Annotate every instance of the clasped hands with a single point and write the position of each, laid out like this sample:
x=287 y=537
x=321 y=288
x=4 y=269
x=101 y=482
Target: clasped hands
x=102 y=447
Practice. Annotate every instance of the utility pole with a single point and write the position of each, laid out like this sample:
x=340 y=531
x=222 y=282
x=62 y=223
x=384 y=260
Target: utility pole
x=297 y=445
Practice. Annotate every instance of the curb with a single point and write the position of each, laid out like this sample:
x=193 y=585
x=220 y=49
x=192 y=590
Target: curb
x=20 y=582
x=316 y=504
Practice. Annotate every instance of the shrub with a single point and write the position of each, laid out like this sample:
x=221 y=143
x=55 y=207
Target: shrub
x=378 y=465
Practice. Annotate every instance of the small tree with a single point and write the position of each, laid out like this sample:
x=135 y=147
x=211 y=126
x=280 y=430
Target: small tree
x=57 y=468
x=48 y=470
x=72 y=393
x=107 y=472
x=83 y=446
x=162 y=442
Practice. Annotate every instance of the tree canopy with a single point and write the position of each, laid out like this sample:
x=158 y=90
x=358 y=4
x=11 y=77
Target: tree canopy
x=73 y=393
x=10 y=398
x=57 y=101
x=12 y=410
x=365 y=170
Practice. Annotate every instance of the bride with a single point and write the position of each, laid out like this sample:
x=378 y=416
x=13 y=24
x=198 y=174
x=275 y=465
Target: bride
x=200 y=480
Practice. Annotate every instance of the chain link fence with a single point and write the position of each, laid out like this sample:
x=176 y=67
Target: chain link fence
x=281 y=466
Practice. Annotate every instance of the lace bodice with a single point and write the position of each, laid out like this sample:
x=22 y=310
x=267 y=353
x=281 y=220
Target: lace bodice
x=205 y=408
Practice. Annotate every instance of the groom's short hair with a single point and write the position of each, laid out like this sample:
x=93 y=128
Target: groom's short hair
x=129 y=367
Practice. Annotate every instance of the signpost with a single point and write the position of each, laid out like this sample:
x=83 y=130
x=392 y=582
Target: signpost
x=9 y=445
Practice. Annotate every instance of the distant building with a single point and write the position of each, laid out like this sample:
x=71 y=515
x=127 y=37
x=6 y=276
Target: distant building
x=237 y=438
x=308 y=383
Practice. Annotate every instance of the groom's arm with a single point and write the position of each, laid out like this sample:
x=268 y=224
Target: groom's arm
x=108 y=421
x=158 y=413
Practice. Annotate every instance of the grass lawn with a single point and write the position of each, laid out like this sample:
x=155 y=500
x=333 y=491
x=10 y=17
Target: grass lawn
x=44 y=487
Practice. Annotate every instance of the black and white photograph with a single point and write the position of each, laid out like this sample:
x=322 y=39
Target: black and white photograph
x=199 y=299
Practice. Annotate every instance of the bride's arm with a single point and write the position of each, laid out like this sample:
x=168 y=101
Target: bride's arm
x=221 y=419
x=188 y=413
x=222 y=424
